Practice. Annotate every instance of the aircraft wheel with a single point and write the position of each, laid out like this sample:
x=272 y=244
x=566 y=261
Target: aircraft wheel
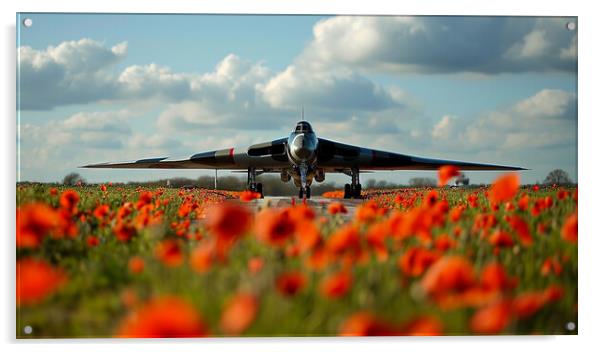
x=307 y=192
x=347 y=193
x=259 y=189
x=358 y=191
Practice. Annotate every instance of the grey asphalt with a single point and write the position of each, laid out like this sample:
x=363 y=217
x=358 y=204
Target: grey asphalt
x=315 y=202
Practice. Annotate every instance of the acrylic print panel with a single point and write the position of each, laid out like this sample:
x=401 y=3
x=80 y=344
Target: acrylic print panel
x=238 y=175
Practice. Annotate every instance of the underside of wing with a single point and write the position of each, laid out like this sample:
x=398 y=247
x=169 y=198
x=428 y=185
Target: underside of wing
x=335 y=156
x=218 y=159
x=264 y=155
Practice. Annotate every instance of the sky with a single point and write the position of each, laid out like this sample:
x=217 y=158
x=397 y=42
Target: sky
x=108 y=87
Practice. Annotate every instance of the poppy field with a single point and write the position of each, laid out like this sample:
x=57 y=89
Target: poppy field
x=120 y=261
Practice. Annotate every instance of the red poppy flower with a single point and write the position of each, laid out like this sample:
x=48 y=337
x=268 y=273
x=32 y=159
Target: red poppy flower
x=422 y=326
x=523 y=202
x=37 y=280
x=336 y=285
x=69 y=200
x=92 y=241
x=247 y=196
x=201 y=258
x=491 y=319
x=366 y=212
x=444 y=242
x=103 y=188
x=553 y=293
x=274 y=226
x=289 y=284
x=318 y=259
x=528 y=303
x=125 y=210
x=345 y=240
x=449 y=274
x=430 y=199
x=522 y=230
x=239 y=313
x=101 y=212
x=184 y=209
x=169 y=252
x=366 y=324
x=456 y=213
x=34 y=221
x=504 y=188
x=136 y=265
x=255 y=265
x=228 y=220
x=301 y=213
x=308 y=235
x=501 y=239
x=495 y=278
x=163 y=317
x=416 y=260
x=336 y=208
x=144 y=199
x=551 y=265
x=569 y=229
x=447 y=172
x=124 y=231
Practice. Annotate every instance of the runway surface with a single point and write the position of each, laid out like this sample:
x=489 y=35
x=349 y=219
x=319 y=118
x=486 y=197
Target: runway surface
x=315 y=202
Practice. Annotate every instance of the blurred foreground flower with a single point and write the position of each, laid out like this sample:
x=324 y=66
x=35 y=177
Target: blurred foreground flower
x=367 y=324
x=34 y=221
x=239 y=313
x=169 y=253
x=504 y=188
x=167 y=316
x=569 y=229
x=274 y=226
x=36 y=280
x=289 y=284
x=69 y=200
x=247 y=196
x=446 y=173
x=228 y=222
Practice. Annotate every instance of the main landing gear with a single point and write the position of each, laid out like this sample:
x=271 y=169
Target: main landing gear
x=353 y=190
x=251 y=184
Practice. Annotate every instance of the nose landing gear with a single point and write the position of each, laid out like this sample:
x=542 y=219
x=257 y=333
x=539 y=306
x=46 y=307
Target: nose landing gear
x=305 y=191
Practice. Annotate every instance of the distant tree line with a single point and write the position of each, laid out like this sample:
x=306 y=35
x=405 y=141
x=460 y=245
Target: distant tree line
x=272 y=185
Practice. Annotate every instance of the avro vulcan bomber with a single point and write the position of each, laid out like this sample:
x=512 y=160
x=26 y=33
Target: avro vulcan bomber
x=304 y=157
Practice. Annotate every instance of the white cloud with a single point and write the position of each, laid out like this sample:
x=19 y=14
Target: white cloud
x=72 y=72
x=570 y=52
x=344 y=90
x=444 y=128
x=441 y=44
x=152 y=80
x=546 y=103
x=532 y=45
x=545 y=119
x=96 y=130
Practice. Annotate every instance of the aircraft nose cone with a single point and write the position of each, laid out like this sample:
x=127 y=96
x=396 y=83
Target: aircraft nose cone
x=301 y=147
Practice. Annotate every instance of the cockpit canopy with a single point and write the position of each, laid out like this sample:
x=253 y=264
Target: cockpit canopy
x=303 y=127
